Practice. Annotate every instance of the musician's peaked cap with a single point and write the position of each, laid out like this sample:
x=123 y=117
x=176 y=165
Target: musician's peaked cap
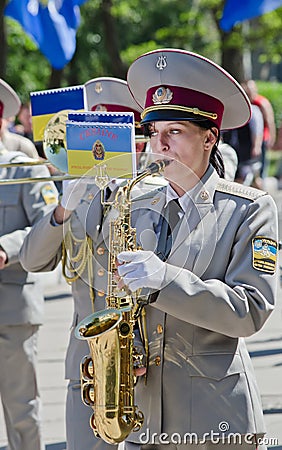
x=110 y=94
x=172 y=84
x=9 y=101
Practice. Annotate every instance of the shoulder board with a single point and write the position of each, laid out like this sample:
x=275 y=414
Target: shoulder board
x=148 y=195
x=239 y=190
x=155 y=180
x=8 y=157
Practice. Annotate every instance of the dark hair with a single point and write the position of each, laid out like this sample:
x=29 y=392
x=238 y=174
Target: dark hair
x=216 y=159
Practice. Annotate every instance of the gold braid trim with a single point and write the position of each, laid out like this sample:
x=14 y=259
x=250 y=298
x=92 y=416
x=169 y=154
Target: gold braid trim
x=83 y=258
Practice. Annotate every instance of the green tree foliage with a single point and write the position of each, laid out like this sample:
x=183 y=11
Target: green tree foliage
x=113 y=33
x=27 y=70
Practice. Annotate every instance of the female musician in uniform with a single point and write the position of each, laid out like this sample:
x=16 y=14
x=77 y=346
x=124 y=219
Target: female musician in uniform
x=211 y=282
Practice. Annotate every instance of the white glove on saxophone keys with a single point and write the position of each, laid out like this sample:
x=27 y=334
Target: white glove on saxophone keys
x=141 y=269
x=73 y=191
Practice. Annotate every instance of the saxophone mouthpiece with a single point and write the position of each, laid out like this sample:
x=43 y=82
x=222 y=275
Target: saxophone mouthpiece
x=158 y=166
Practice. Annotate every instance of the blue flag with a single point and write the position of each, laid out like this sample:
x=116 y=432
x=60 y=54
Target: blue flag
x=240 y=10
x=51 y=24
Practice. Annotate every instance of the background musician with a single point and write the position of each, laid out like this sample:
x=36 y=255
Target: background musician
x=76 y=225
x=21 y=296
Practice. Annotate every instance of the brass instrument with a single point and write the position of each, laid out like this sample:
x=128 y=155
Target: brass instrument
x=36 y=179
x=107 y=376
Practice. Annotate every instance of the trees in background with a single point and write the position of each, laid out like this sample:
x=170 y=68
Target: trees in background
x=114 y=32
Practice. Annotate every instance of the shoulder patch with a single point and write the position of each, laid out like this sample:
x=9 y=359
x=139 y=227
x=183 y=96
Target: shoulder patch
x=264 y=252
x=239 y=190
x=49 y=194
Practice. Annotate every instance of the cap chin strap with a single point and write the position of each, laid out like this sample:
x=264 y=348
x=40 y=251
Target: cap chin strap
x=195 y=111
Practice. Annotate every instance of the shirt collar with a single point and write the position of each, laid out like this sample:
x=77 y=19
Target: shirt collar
x=190 y=195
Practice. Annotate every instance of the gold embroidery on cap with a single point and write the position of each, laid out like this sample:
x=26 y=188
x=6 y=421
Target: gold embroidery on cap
x=98 y=88
x=162 y=95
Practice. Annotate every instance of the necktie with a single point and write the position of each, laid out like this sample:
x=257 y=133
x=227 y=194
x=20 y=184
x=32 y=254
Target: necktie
x=173 y=208
x=169 y=221
x=107 y=194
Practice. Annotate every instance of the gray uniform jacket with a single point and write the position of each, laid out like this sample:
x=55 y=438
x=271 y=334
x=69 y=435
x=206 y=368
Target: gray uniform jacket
x=21 y=206
x=200 y=373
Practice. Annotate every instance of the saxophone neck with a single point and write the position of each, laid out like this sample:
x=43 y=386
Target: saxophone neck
x=153 y=168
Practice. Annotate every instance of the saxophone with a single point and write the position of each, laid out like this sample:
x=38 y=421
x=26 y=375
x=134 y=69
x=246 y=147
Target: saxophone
x=107 y=375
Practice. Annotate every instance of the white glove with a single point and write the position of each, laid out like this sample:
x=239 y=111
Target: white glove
x=73 y=191
x=141 y=269
x=3 y=259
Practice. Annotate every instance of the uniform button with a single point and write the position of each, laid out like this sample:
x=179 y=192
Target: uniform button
x=100 y=250
x=159 y=328
x=90 y=196
x=101 y=272
x=101 y=293
x=158 y=360
x=204 y=195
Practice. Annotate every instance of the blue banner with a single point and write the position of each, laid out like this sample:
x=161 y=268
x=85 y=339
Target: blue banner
x=239 y=10
x=51 y=24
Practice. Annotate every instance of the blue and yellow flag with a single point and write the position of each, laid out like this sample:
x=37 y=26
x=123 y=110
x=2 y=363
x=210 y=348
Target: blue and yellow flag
x=44 y=104
x=52 y=24
x=236 y=11
x=96 y=140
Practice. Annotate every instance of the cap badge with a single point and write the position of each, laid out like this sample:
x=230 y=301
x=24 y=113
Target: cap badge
x=101 y=108
x=98 y=88
x=161 y=62
x=162 y=95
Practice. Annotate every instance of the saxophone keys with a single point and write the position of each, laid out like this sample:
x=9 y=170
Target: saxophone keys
x=124 y=329
x=93 y=426
x=88 y=394
x=87 y=368
x=139 y=419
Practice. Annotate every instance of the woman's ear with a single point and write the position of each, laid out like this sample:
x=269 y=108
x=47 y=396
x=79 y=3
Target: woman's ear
x=211 y=137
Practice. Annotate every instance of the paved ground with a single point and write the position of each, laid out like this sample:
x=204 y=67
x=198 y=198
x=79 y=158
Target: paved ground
x=265 y=349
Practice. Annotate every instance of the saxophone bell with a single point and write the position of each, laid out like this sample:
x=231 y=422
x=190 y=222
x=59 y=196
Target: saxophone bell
x=98 y=323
